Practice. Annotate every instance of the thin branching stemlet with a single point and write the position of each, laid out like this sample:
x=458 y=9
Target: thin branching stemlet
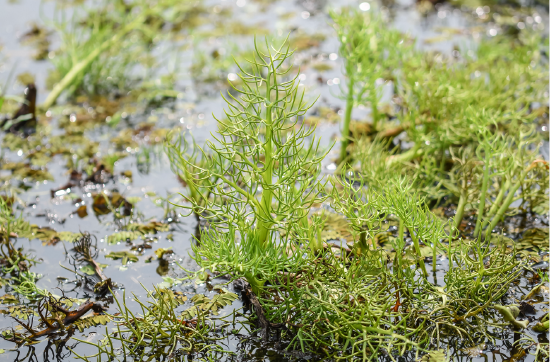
x=188 y=164
x=398 y=198
x=361 y=207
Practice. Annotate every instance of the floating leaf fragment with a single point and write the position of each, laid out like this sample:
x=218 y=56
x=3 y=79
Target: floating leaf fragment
x=126 y=256
x=434 y=356
x=163 y=251
x=82 y=211
x=89 y=270
x=123 y=236
x=510 y=313
x=8 y=299
x=475 y=351
x=543 y=325
x=92 y=321
x=169 y=282
x=205 y=304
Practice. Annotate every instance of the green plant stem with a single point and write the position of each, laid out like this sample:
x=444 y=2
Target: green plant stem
x=267 y=175
x=319 y=239
x=82 y=65
x=461 y=205
x=254 y=282
x=196 y=195
x=434 y=260
x=450 y=186
x=363 y=241
x=407 y=155
x=313 y=232
x=498 y=200
x=347 y=120
x=480 y=263
x=374 y=108
x=401 y=233
x=506 y=204
x=400 y=245
x=417 y=249
x=484 y=187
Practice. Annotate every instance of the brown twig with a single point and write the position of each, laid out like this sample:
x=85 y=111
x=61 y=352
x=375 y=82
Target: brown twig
x=70 y=317
x=54 y=323
x=264 y=324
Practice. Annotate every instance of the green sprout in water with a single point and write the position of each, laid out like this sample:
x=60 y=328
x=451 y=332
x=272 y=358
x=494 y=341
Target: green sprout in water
x=369 y=54
x=266 y=165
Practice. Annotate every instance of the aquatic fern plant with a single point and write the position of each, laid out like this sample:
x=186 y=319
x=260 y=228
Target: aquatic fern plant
x=367 y=208
x=369 y=54
x=266 y=164
x=103 y=46
x=492 y=175
x=346 y=308
x=160 y=328
x=356 y=305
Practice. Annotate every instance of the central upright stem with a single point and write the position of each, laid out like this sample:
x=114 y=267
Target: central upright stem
x=264 y=225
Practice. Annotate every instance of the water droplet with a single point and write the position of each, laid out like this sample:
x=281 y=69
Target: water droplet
x=364 y=6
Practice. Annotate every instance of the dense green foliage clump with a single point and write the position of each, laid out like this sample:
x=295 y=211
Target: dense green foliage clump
x=474 y=143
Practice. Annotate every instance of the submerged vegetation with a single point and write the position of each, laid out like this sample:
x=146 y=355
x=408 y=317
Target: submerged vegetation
x=368 y=300
x=420 y=232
